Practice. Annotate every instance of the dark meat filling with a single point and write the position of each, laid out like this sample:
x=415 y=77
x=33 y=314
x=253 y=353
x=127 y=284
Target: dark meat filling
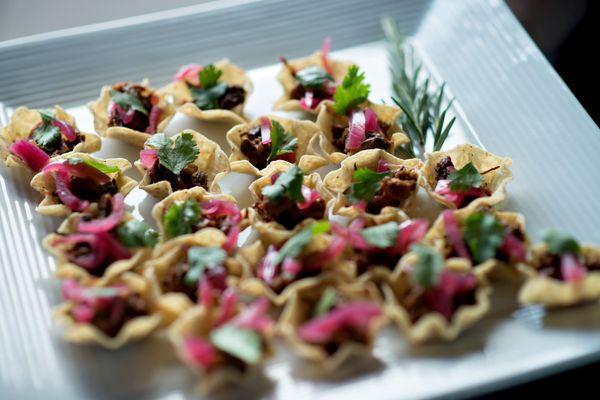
x=140 y=121
x=252 y=147
x=233 y=96
x=173 y=281
x=443 y=168
x=373 y=140
x=90 y=190
x=286 y=212
x=367 y=259
x=59 y=146
x=111 y=319
x=417 y=302
x=188 y=178
x=395 y=190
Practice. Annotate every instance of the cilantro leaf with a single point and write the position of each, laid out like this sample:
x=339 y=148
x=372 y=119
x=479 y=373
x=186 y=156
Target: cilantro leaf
x=483 y=234
x=47 y=136
x=560 y=243
x=176 y=154
x=244 y=344
x=135 y=233
x=208 y=98
x=181 y=217
x=327 y=301
x=294 y=245
x=382 y=236
x=282 y=142
x=209 y=76
x=126 y=101
x=429 y=266
x=312 y=77
x=200 y=258
x=465 y=178
x=351 y=92
x=288 y=184
x=100 y=166
x=365 y=184
x=47 y=116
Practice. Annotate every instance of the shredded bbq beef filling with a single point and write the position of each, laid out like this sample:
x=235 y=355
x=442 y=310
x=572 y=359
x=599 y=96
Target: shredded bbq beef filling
x=367 y=259
x=443 y=168
x=220 y=222
x=395 y=190
x=373 y=140
x=188 y=178
x=253 y=148
x=549 y=265
x=110 y=320
x=416 y=304
x=233 y=96
x=90 y=190
x=319 y=94
x=139 y=121
x=286 y=211
x=57 y=147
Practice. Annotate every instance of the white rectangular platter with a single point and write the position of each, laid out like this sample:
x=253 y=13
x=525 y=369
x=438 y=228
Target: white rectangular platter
x=509 y=100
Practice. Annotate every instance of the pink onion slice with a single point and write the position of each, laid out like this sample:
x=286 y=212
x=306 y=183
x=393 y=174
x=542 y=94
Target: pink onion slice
x=310 y=196
x=200 y=352
x=325 y=49
x=222 y=207
x=352 y=234
x=514 y=248
x=205 y=292
x=454 y=235
x=80 y=170
x=228 y=307
x=441 y=298
x=65 y=129
x=356 y=137
x=189 y=73
x=411 y=232
x=371 y=121
x=571 y=269
x=254 y=316
x=265 y=130
x=291 y=266
x=34 y=157
x=91 y=260
x=153 y=119
x=63 y=191
x=125 y=116
x=382 y=166
x=148 y=158
x=309 y=101
x=83 y=313
x=336 y=247
x=232 y=238
x=267 y=269
x=109 y=222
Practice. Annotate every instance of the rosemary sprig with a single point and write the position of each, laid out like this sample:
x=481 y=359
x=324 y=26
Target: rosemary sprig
x=420 y=99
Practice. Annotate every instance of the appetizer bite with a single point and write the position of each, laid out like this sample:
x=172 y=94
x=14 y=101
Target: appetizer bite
x=330 y=324
x=182 y=161
x=32 y=137
x=190 y=210
x=74 y=181
x=373 y=181
x=104 y=241
x=189 y=267
x=111 y=314
x=270 y=138
x=131 y=112
x=277 y=271
x=431 y=299
x=466 y=175
x=563 y=272
x=380 y=245
x=224 y=343
x=306 y=82
x=212 y=93
x=493 y=241
x=285 y=201
x=350 y=123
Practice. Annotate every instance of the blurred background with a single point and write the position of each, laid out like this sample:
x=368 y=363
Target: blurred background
x=565 y=30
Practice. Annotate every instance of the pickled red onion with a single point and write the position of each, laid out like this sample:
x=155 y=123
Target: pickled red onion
x=34 y=157
x=108 y=223
x=310 y=196
x=232 y=238
x=514 y=248
x=356 y=137
x=325 y=49
x=222 y=207
x=254 y=316
x=571 y=269
x=189 y=73
x=410 y=232
x=371 y=121
x=148 y=158
x=382 y=166
x=200 y=352
x=454 y=235
x=63 y=191
x=227 y=309
x=153 y=119
x=265 y=130
x=65 y=129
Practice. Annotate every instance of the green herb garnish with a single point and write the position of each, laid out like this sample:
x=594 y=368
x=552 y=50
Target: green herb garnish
x=241 y=343
x=206 y=97
x=420 y=100
x=294 y=245
x=560 y=243
x=126 y=101
x=46 y=135
x=100 y=166
x=352 y=92
x=381 y=236
x=465 y=178
x=288 y=184
x=365 y=183
x=430 y=263
x=181 y=218
x=209 y=76
x=200 y=258
x=327 y=301
x=313 y=77
x=135 y=233
x=282 y=142
x=483 y=234
x=176 y=154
